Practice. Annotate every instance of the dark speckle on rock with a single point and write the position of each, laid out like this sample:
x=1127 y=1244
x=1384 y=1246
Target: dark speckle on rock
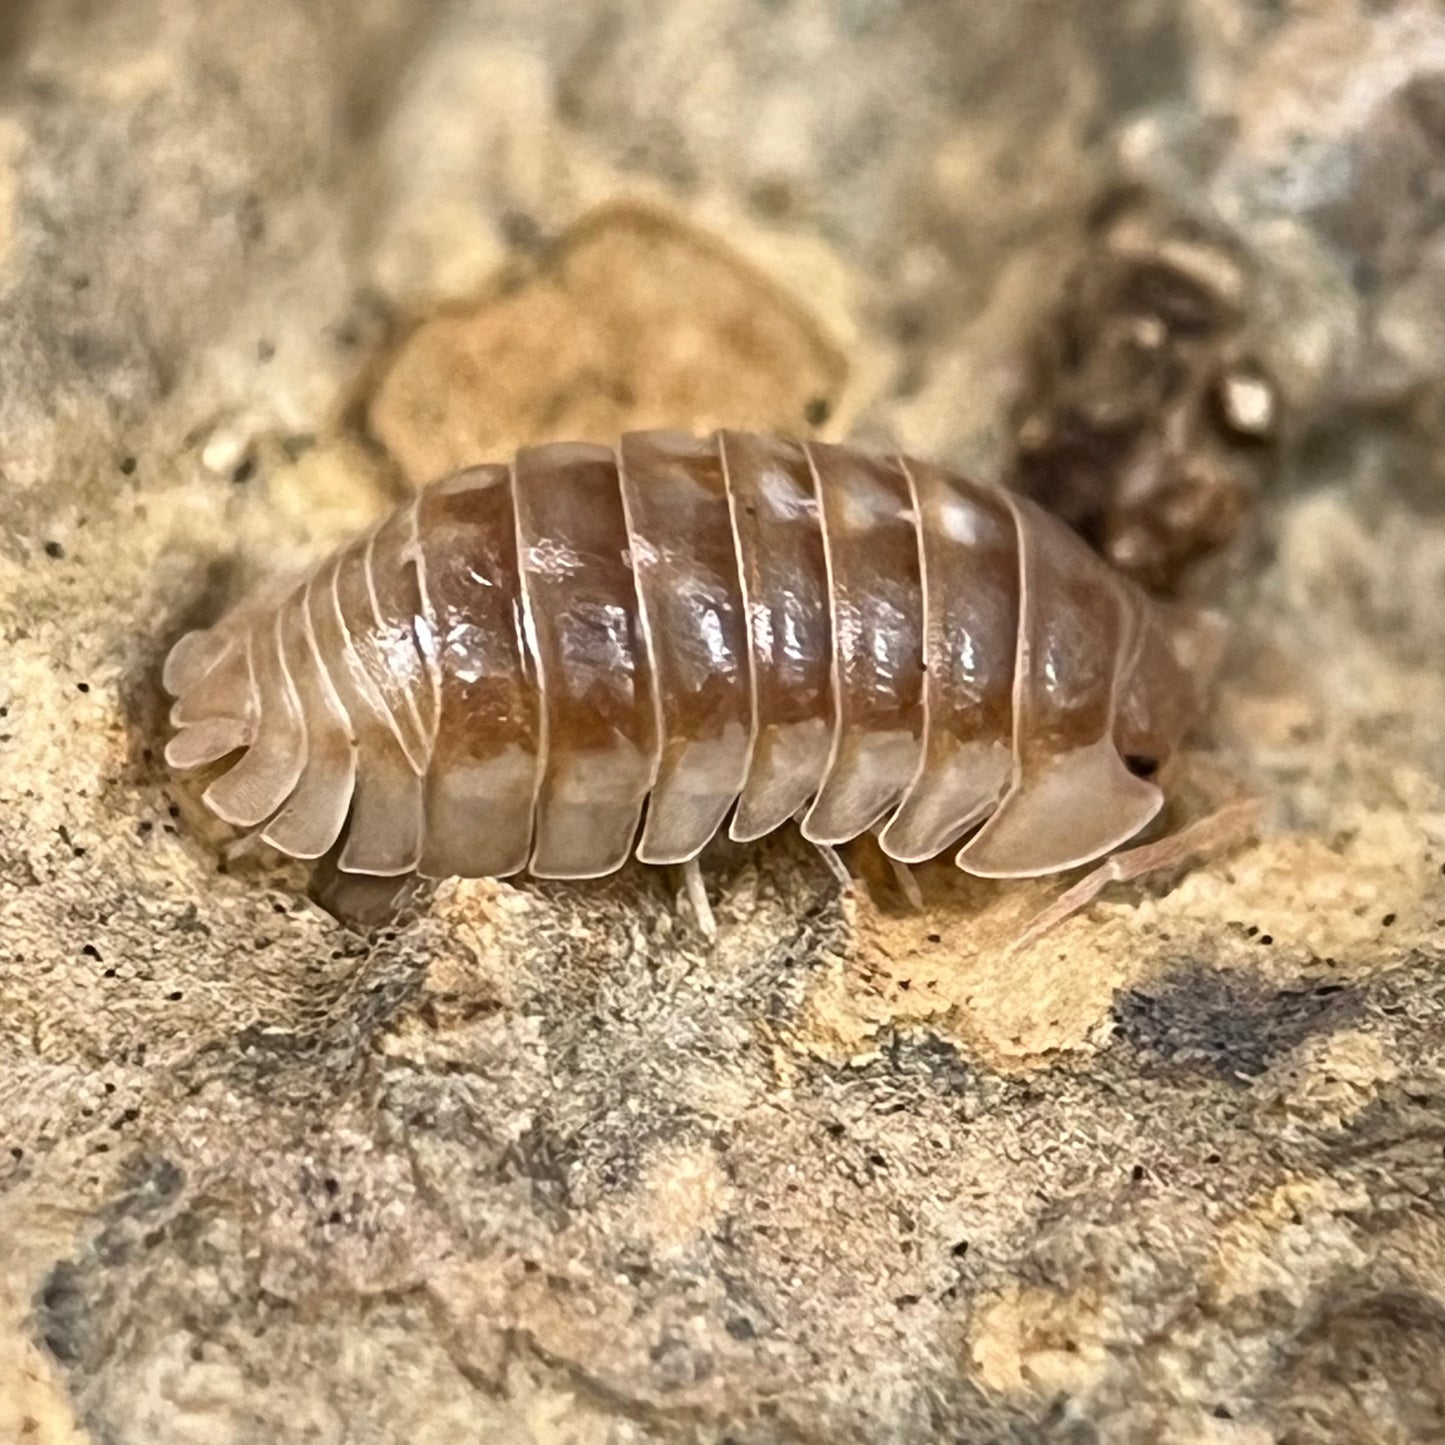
x=1198 y=1018
x=61 y=1311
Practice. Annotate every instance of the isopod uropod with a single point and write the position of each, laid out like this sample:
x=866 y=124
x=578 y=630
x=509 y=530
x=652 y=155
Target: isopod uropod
x=548 y=665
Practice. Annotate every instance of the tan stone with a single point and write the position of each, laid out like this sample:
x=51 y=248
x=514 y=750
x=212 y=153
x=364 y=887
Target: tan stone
x=637 y=320
x=34 y=1409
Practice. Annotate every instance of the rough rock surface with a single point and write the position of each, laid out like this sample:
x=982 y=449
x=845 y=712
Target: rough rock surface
x=537 y=1165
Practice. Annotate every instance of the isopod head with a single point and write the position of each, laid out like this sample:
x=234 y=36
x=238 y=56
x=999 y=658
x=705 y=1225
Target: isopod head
x=1167 y=685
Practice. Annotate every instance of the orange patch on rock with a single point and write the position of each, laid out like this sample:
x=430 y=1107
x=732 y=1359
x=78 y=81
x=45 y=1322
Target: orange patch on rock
x=636 y=320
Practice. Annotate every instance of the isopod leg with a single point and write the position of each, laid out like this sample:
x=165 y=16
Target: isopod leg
x=837 y=867
x=1228 y=828
x=364 y=901
x=696 y=891
x=907 y=882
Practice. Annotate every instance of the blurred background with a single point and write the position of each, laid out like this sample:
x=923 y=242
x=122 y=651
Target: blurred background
x=865 y=213
x=1175 y=266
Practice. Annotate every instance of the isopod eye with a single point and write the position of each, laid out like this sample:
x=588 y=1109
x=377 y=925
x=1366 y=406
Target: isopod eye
x=1141 y=766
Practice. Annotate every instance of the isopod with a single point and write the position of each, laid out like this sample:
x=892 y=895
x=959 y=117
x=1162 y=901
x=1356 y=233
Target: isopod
x=592 y=652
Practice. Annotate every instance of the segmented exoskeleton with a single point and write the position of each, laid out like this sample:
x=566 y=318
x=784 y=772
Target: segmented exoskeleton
x=548 y=665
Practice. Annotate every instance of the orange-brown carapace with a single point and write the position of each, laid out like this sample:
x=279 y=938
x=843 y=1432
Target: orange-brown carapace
x=548 y=665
